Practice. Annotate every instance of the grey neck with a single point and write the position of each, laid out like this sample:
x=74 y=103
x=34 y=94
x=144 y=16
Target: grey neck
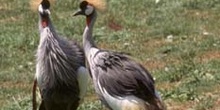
x=50 y=26
x=88 y=42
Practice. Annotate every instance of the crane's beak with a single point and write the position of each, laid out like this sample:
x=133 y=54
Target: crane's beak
x=78 y=12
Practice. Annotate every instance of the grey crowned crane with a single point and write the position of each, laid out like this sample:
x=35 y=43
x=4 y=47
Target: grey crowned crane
x=120 y=82
x=61 y=74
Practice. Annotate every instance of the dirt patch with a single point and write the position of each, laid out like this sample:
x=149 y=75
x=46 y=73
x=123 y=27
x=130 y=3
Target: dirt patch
x=154 y=64
x=114 y=26
x=217 y=105
x=216 y=96
x=210 y=55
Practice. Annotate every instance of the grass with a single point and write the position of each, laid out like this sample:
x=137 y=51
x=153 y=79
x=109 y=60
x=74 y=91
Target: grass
x=178 y=41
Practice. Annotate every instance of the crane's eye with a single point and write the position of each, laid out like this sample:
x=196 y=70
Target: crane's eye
x=89 y=10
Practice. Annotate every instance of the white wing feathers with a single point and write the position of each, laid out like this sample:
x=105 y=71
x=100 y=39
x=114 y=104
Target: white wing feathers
x=83 y=80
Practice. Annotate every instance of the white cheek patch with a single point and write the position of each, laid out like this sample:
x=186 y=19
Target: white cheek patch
x=89 y=10
x=40 y=9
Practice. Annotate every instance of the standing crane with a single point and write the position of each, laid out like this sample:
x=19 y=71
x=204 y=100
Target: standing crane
x=61 y=74
x=120 y=82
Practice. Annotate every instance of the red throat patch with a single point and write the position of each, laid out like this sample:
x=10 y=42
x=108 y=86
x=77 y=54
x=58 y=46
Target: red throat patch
x=44 y=23
x=88 y=20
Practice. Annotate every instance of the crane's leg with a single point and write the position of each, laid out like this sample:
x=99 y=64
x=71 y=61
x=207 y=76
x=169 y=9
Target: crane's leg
x=42 y=106
x=34 y=102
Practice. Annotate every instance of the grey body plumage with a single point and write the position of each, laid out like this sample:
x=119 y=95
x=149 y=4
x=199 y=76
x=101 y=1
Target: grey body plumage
x=59 y=66
x=120 y=82
x=58 y=61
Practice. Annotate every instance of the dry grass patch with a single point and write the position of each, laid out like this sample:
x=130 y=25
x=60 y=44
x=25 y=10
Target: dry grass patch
x=198 y=14
x=4 y=7
x=216 y=96
x=10 y=19
x=154 y=64
x=154 y=43
x=107 y=46
x=209 y=55
x=167 y=85
x=175 y=105
x=10 y=84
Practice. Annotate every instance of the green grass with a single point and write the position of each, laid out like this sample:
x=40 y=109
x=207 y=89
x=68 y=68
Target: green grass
x=185 y=66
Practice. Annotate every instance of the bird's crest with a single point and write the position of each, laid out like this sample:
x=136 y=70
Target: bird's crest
x=98 y=4
x=35 y=3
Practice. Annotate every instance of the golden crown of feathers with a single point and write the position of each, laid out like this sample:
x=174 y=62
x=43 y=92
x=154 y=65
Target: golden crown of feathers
x=98 y=4
x=35 y=3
